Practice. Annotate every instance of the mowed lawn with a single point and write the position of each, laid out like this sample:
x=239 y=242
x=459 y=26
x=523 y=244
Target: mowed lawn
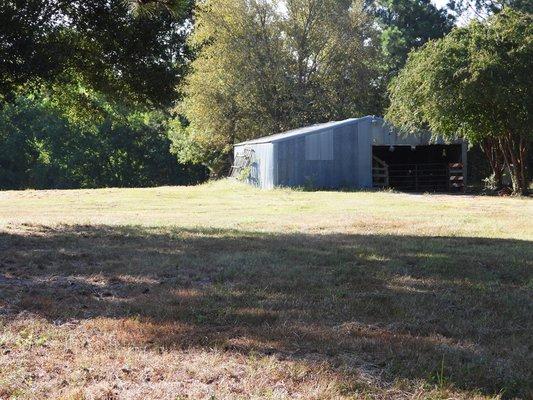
x=223 y=291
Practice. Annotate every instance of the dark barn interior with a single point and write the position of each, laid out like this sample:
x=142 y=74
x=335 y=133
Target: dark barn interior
x=430 y=168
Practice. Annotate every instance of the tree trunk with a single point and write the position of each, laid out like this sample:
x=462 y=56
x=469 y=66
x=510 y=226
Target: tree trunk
x=514 y=152
x=522 y=148
x=491 y=149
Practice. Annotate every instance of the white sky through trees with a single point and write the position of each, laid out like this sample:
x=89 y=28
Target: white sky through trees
x=440 y=3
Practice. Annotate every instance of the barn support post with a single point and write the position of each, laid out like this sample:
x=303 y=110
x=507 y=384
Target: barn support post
x=364 y=152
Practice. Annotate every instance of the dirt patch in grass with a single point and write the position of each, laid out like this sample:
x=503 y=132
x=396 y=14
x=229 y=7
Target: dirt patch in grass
x=101 y=311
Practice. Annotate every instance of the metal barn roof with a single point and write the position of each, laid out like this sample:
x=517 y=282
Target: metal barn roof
x=381 y=137
x=301 y=131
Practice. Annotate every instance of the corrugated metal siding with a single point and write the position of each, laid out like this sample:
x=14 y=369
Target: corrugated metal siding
x=334 y=155
x=319 y=146
x=261 y=170
x=326 y=159
x=364 y=153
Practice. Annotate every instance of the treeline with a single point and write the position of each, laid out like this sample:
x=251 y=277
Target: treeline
x=42 y=148
x=97 y=93
x=86 y=90
x=263 y=67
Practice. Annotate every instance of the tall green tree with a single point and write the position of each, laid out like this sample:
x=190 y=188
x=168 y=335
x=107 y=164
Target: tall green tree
x=154 y=7
x=264 y=67
x=84 y=90
x=407 y=25
x=474 y=83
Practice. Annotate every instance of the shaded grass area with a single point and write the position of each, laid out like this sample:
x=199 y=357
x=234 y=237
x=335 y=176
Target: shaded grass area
x=330 y=315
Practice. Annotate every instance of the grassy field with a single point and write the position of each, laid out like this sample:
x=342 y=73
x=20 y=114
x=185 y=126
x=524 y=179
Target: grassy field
x=222 y=291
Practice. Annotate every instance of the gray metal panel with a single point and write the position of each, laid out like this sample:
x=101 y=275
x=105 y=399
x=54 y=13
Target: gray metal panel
x=464 y=152
x=346 y=174
x=319 y=146
x=261 y=170
x=325 y=162
x=300 y=131
x=364 y=153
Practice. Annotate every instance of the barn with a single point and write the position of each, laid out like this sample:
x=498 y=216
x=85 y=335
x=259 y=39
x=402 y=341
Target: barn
x=354 y=153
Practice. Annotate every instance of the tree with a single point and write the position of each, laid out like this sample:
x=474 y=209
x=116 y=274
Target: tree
x=407 y=25
x=474 y=83
x=263 y=68
x=47 y=141
x=130 y=58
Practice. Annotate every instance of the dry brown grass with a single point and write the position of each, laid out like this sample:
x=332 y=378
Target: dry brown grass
x=223 y=291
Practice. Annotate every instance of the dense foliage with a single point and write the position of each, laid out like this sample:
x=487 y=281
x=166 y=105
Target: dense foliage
x=407 y=25
x=484 y=8
x=101 y=42
x=474 y=83
x=263 y=69
x=84 y=92
x=48 y=145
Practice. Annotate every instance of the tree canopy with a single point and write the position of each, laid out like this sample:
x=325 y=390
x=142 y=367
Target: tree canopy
x=85 y=88
x=103 y=43
x=264 y=67
x=238 y=69
x=406 y=25
x=47 y=141
x=475 y=83
x=484 y=8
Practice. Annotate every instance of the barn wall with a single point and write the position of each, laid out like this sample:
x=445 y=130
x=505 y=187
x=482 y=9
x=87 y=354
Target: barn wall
x=364 y=151
x=329 y=158
x=261 y=170
x=384 y=135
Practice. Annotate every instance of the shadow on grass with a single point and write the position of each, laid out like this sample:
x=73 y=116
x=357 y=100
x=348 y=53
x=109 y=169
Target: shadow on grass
x=400 y=307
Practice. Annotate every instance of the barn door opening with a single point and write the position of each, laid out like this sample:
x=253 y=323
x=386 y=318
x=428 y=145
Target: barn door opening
x=431 y=168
